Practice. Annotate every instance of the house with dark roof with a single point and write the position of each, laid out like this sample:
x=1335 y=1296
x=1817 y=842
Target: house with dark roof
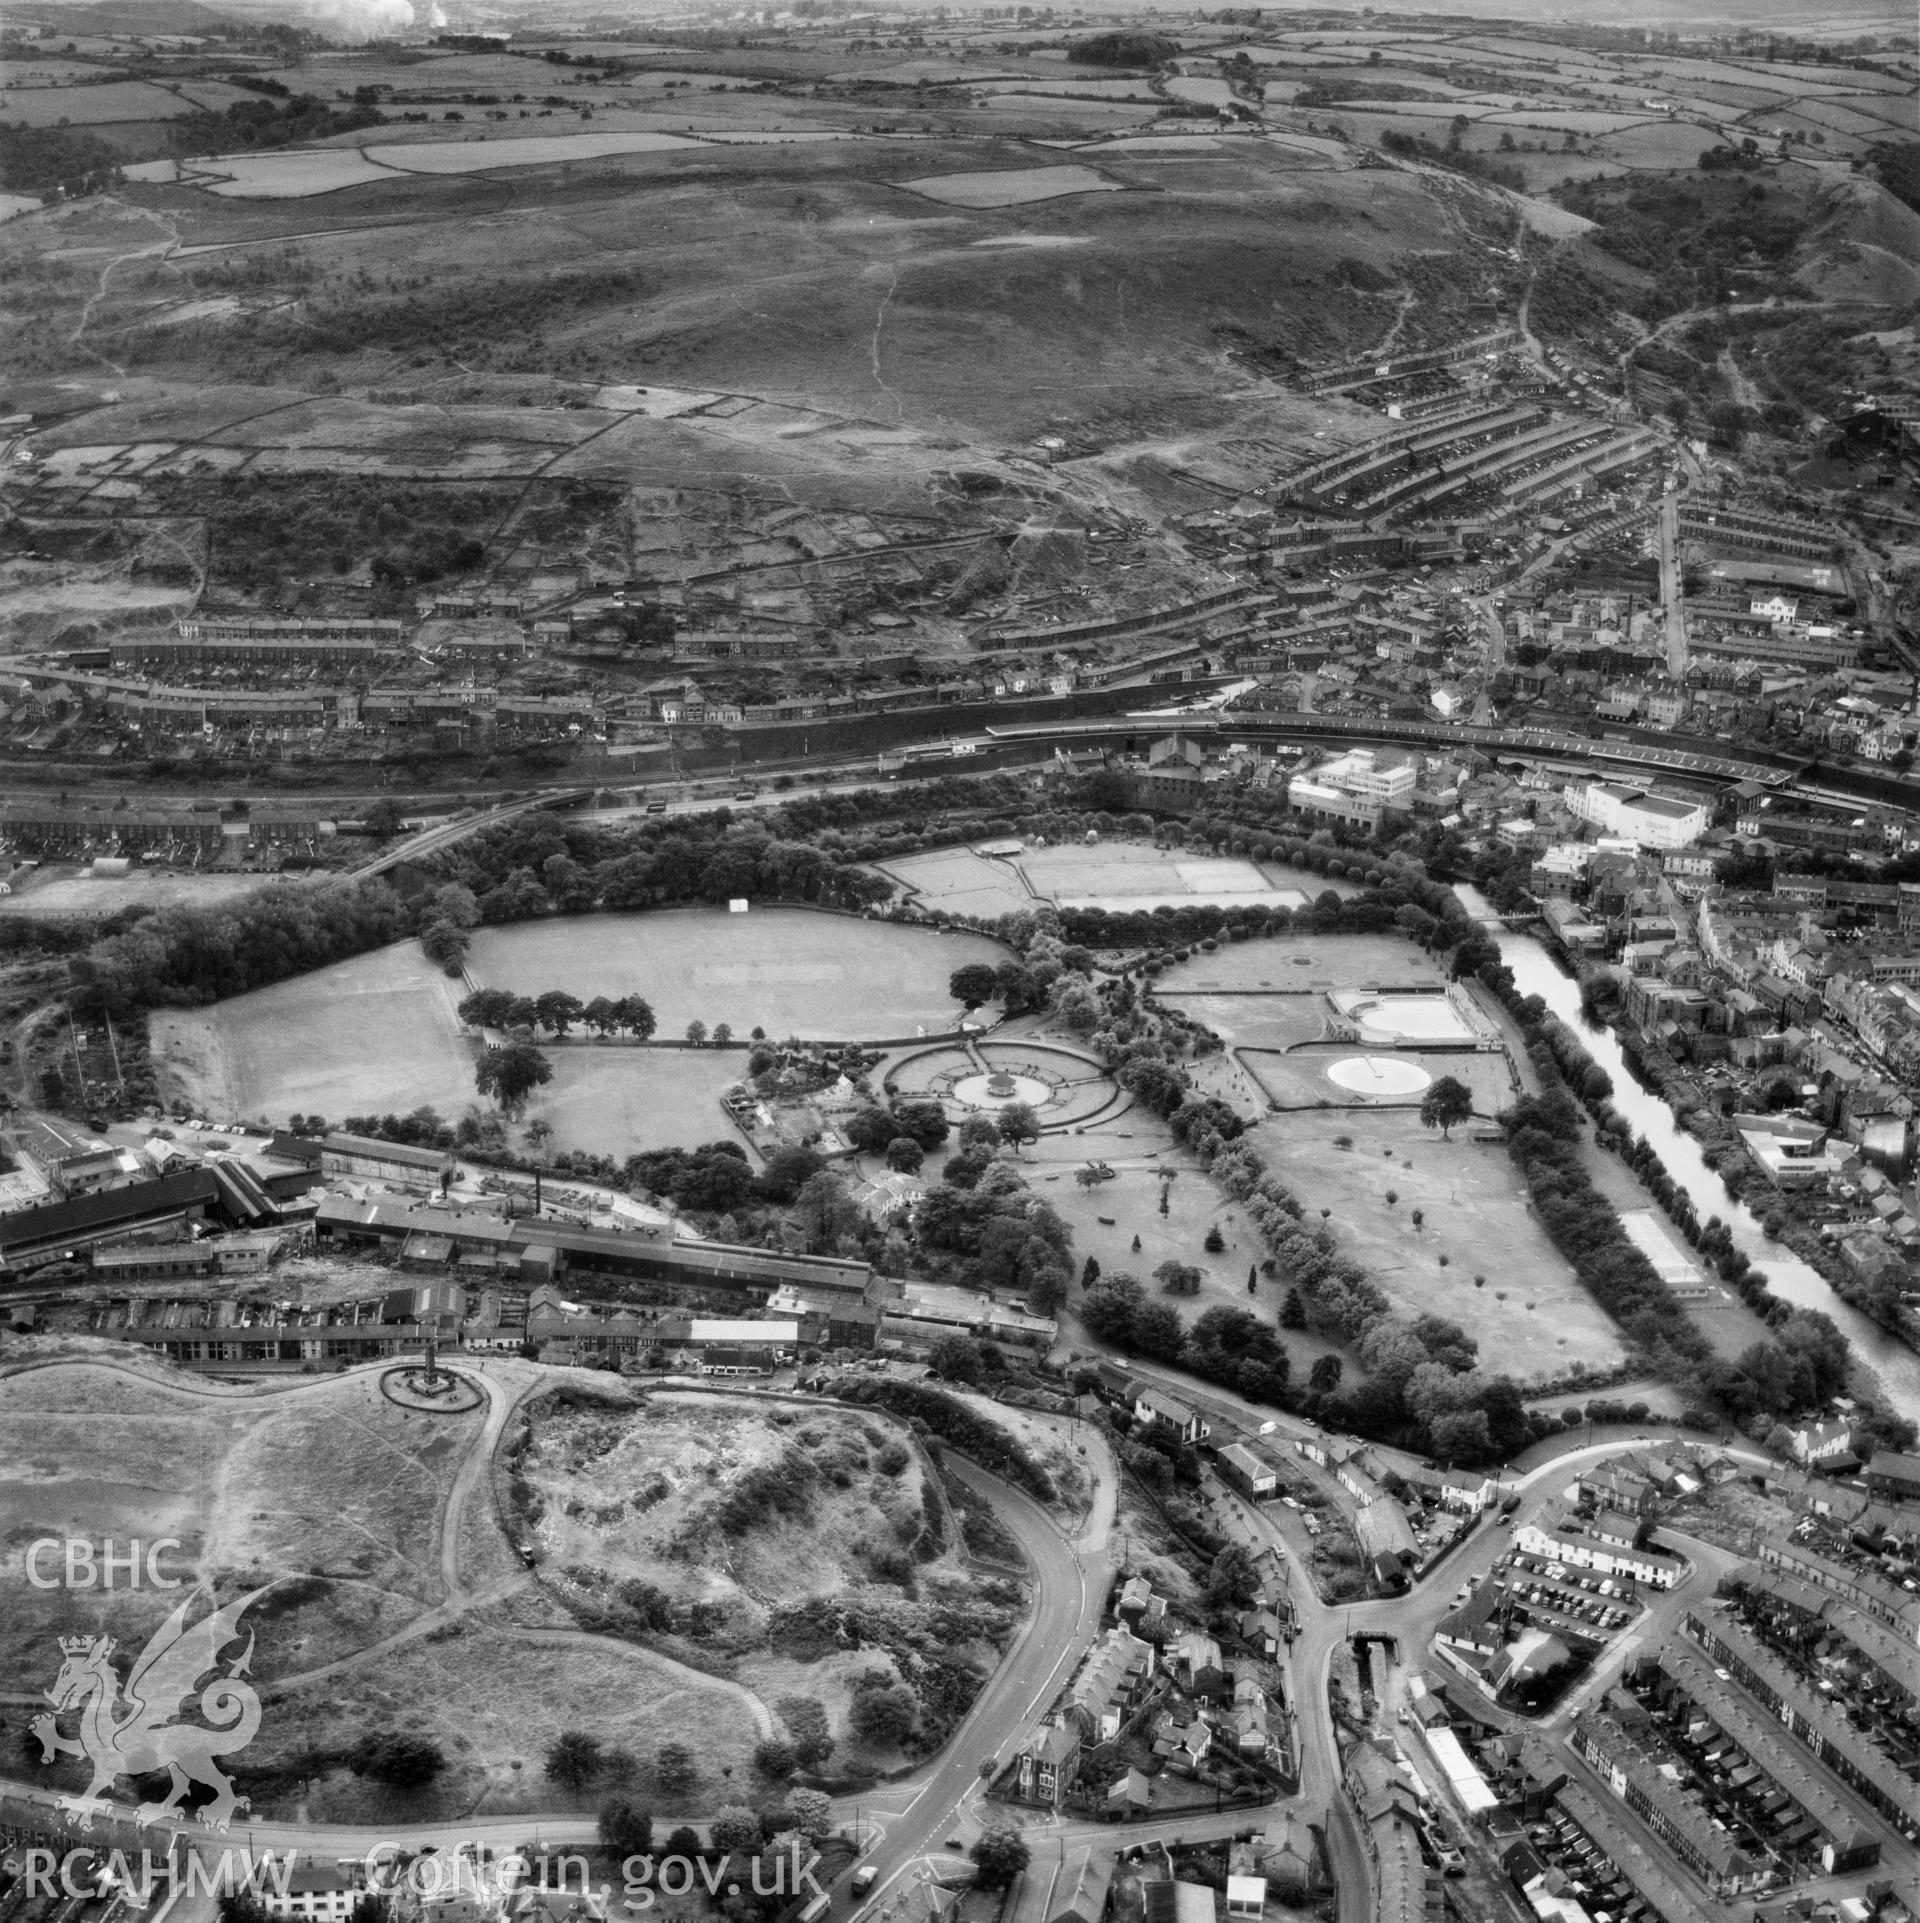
x=1081 y=1889
x=1894 y=1477
x=1641 y=1773
x=1181 y=1742
x=1160 y=1410
x=1109 y=1683
x=1249 y=1472
x=1262 y=1631
x=1048 y=1764
x=1405 y=1888
x=1195 y=1658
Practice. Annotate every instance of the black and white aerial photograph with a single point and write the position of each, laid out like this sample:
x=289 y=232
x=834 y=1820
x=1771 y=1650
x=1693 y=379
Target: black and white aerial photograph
x=959 y=963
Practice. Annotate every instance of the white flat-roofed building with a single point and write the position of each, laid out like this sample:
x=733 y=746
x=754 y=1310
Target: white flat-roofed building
x=1361 y=772
x=1653 y=821
x=1323 y=802
x=742 y=1331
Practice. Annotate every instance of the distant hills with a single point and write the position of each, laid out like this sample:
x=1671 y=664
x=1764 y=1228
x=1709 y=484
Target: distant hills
x=131 y=17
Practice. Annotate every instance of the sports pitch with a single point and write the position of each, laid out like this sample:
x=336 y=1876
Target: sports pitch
x=375 y=1035
x=784 y=970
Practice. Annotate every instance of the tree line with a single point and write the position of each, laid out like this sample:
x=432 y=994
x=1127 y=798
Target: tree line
x=535 y=865
x=557 y=1012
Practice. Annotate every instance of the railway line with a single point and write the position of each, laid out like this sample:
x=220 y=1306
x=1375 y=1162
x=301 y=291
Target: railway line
x=1628 y=753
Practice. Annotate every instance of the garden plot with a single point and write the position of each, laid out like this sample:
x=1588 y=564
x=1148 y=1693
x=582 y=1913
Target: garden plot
x=375 y=1035
x=326 y=1485
x=1530 y=1314
x=1011 y=187
x=785 y=970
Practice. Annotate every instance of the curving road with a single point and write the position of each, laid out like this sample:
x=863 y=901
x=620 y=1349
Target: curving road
x=911 y=1828
x=906 y=1824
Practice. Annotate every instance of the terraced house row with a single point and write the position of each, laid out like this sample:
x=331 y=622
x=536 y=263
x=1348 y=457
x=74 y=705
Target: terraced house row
x=1821 y=1724
x=1811 y=1822
x=1865 y=1588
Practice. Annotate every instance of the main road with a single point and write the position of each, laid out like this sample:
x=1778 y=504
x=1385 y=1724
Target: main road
x=1672 y=584
x=1409 y=1620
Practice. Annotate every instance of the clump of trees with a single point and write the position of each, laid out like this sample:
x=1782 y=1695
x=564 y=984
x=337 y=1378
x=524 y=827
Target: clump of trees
x=1688 y=236
x=1446 y=1104
x=1011 y=984
x=954 y=1423
x=1127 y=48
x=292 y=528
x=250 y=126
x=983 y=1223
x=55 y=160
x=557 y=1012
x=510 y=1074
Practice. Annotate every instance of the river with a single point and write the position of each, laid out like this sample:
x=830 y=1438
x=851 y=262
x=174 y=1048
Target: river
x=1538 y=973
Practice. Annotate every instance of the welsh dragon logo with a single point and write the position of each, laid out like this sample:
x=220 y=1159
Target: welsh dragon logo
x=131 y=1729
